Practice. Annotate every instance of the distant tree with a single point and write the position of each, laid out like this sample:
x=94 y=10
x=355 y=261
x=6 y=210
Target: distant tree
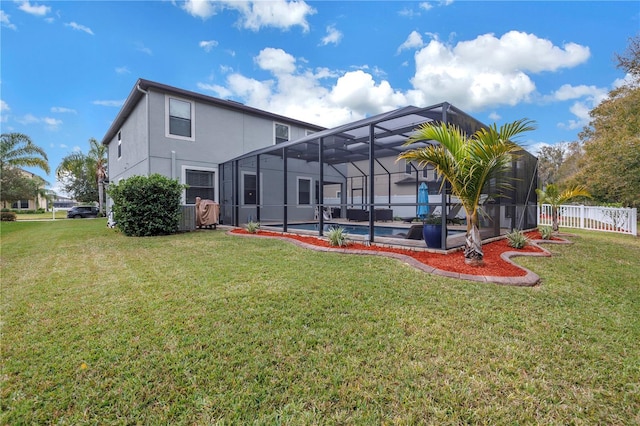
x=83 y=175
x=16 y=186
x=550 y=159
x=630 y=60
x=17 y=150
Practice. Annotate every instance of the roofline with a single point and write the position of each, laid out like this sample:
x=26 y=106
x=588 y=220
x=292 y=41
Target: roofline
x=136 y=95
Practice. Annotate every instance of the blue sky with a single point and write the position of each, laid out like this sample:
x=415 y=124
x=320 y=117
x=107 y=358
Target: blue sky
x=68 y=66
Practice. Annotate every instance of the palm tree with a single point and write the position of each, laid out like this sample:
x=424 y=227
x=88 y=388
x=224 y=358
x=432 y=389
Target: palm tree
x=78 y=167
x=552 y=195
x=17 y=150
x=468 y=163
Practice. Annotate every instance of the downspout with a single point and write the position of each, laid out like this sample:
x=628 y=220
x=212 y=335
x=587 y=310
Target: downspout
x=146 y=93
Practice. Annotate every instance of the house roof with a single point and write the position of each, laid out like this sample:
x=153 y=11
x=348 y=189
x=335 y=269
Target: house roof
x=136 y=95
x=350 y=142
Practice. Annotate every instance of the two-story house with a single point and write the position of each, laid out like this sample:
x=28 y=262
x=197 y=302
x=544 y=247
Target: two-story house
x=185 y=135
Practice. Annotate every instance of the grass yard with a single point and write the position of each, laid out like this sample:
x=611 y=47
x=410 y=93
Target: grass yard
x=205 y=328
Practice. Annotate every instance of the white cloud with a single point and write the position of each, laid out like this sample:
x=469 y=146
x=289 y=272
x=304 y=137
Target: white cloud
x=122 y=70
x=489 y=71
x=208 y=45
x=63 y=110
x=4 y=106
x=413 y=41
x=470 y=74
x=276 y=60
x=426 y=6
x=109 y=103
x=51 y=123
x=79 y=27
x=256 y=14
x=494 y=116
x=28 y=119
x=37 y=10
x=5 y=22
x=333 y=36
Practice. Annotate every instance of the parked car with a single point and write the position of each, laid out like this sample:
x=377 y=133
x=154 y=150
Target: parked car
x=78 y=212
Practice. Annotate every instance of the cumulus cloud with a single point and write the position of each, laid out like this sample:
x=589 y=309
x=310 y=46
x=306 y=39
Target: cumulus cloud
x=489 y=71
x=4 y=107
x=413 y=41
x=6 y=22
x=333 y=36
x=79 y=27
x=255 y=15
x=34 y=9
x=50 y=123
x=485 y=72
x=207 y=45
x=586 y=98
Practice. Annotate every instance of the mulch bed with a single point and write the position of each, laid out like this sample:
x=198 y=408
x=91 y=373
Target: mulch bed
x=494 y=264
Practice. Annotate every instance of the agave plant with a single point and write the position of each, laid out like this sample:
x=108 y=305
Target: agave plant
x=337 y=236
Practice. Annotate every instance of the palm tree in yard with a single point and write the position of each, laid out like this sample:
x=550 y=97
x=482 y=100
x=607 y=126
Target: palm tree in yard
x=17 y=150
x=79 y=166
x=553 y=196
x=468 y=162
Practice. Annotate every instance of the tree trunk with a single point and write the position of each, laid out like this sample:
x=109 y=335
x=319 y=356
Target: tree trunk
x=554 y=218
x=100 y=196
x=473 y=254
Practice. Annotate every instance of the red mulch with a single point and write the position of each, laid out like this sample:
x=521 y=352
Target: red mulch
x=494 y=265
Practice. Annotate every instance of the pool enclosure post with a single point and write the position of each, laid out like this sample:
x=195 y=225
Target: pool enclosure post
x=371 y=181
x=285 y=197
x=443 y=192
x=320 y=206
x=258 y=189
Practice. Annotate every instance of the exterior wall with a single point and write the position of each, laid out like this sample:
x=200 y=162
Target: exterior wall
x=134 y=145
x=37 y=202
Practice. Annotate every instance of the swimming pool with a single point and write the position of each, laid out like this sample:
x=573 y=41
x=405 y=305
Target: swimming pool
x=381 y=231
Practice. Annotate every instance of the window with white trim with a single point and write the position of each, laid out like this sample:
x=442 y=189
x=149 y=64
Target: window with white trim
x=304 y=191
x=281 y=133
x=408 y=169
x=179 y=118
x=201 y=184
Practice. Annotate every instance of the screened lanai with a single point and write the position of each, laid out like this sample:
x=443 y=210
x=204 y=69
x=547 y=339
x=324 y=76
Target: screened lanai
x=349 y=176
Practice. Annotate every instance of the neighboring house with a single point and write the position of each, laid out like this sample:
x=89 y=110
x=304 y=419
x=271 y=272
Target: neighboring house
x=37 y=202
x=186 y=136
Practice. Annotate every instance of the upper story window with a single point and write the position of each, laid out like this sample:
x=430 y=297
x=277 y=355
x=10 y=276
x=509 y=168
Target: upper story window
x=119 y=144
x=282 y=133
x=180 y=122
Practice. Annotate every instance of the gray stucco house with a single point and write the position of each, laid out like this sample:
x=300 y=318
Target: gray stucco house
x=186 y=135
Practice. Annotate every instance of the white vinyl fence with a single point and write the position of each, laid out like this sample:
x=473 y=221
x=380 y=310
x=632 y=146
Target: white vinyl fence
x=609 y=219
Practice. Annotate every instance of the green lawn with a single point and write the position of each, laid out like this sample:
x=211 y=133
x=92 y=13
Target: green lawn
x=205 y=328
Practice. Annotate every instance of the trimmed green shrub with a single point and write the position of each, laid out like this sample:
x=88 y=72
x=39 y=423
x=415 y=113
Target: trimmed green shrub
x=147 y=206
x=517 y=239
x=7 y=216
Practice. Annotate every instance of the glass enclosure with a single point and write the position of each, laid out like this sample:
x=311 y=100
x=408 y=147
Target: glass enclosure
x=350 y=175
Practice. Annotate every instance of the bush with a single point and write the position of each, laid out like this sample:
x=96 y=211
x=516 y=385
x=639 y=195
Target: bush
x=337 y=236
x=517 y=239
x=8 y=216
x=147 y=206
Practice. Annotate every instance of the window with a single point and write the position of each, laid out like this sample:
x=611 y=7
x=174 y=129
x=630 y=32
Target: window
x=201 y=184
x=407 y=167
x=180 y=122
x=119 y=144
x=304 y=191
x=427 y=170
x=22 y=204
x=282 y=133
x=249 y=189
